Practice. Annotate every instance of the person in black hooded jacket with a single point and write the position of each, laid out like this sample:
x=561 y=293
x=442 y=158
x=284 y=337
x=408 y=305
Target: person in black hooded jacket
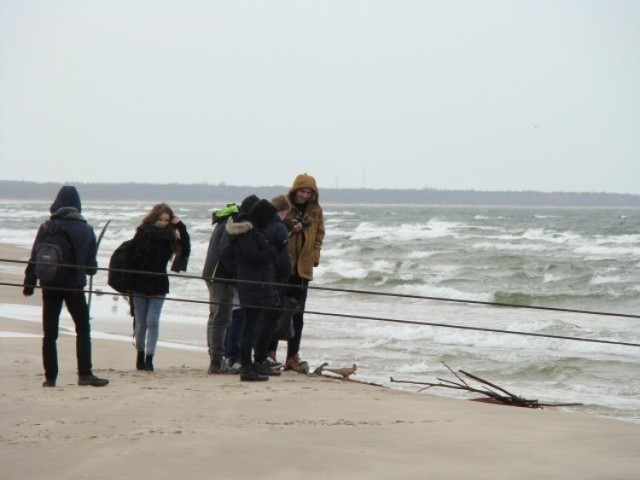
x=278 y=235
x=66 y=215
x=255 y=274
x=161 y=235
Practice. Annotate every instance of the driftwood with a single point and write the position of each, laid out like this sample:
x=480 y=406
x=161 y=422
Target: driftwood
x=506 y=398
x=352 y=380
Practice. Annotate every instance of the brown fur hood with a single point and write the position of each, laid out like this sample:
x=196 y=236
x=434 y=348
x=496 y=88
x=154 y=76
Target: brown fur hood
x=239 y=226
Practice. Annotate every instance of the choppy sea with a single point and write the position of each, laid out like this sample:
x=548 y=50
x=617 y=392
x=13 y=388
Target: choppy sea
x=574 y=259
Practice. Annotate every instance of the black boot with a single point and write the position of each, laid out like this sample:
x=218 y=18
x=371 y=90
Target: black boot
x=140 y=360
x=265 y=368
x=249 y=374
x=216 y=365
x=148 y=363
x=92 y=380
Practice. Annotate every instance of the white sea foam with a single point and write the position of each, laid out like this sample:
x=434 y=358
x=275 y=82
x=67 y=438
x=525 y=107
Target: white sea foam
x=622 y=239
x=347 y=269
x=335 y=221
x=441 y=292
x=600 y=251
x=445 y=272
x=382 y=266
x=366 y=231
x=20 y=237
x=519 y=247
x=331 y=213
x=551 y=277
x=419 y=255
x=339 y=252
x=550 y=236
x=604 y=279
x=405 y=232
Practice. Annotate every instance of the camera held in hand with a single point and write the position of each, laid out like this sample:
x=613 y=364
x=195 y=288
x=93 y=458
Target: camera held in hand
x=304 y=221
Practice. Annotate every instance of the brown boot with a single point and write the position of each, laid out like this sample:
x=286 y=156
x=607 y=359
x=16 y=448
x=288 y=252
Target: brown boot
x=292 y=363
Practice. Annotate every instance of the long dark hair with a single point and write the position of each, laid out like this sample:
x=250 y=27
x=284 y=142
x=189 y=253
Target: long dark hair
x=154 y=215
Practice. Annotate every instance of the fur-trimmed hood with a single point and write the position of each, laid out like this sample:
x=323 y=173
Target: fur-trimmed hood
x=238 y=226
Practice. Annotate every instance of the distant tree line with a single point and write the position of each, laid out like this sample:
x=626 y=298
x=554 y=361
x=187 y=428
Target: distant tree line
x=217 y=194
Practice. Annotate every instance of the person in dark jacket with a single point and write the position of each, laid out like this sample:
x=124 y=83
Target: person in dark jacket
x=255 y=274
x=66 y=215
x=278 y=235
x=217 y=271
x=161 y=236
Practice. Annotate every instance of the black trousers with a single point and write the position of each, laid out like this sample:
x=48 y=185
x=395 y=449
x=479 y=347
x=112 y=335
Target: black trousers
x=300 y=294
x=76 y=304
x=267 y=326
x=250 y=326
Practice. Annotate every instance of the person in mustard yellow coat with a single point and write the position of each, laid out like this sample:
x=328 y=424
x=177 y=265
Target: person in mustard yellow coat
x=305 y=243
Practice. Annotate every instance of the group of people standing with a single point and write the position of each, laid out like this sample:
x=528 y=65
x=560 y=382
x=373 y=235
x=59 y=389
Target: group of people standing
x=258 y=253
x=252 y=254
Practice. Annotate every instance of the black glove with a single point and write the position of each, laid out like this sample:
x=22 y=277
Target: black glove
x=280 y=245
x=288 y=223
x=28 y=291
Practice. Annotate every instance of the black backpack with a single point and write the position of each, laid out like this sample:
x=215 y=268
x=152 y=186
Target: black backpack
x=53 y=252
x=118 y=280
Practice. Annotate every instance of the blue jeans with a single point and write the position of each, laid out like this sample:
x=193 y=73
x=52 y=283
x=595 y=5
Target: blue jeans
x=232 y=339
x=146 y=311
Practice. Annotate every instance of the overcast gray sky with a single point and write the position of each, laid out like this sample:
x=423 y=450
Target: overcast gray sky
x=450 y=94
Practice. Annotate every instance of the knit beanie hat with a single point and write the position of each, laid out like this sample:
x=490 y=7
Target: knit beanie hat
x=248 y=203
x=263 y=213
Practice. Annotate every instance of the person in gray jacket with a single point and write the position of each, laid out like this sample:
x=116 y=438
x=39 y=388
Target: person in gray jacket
x=219 y=268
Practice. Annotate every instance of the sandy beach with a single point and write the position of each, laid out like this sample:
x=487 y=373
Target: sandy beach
x=179 y=422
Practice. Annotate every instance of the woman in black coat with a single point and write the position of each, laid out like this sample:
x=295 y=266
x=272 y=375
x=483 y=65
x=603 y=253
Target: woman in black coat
x=161 y=236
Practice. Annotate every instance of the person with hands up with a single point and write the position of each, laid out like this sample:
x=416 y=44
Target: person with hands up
x=161 y=237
